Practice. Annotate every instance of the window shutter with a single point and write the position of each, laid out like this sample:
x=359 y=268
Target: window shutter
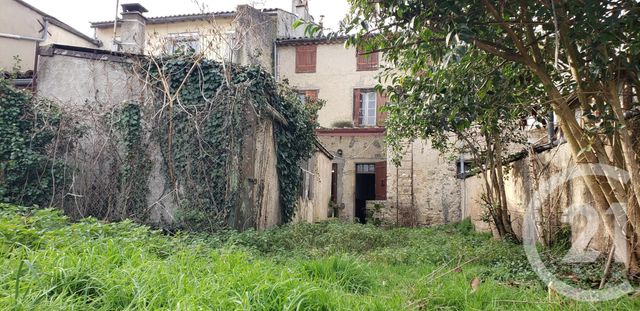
x=357 y=105
x=312 y=94
x=367 y=61
x=381 y=100
x=381 y=180
x=306 y=59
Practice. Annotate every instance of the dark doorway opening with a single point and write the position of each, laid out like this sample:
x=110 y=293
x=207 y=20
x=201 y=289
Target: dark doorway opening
x=365 y=189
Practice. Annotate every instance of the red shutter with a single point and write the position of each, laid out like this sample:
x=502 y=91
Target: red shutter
x=357 y=105
x=312 y=94
x=306 y=58
x=367 y=61
x=381 y=180
x=381 y=100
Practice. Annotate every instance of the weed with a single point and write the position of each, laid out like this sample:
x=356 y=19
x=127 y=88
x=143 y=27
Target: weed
x=48 y=263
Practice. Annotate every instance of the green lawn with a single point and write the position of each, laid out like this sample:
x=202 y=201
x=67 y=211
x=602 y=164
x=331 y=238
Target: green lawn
x=49 y=263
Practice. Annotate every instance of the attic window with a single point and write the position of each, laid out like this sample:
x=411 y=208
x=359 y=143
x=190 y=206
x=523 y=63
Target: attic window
x=306 y=58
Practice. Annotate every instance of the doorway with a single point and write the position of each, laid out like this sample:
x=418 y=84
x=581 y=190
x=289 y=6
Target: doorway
x=365 y=189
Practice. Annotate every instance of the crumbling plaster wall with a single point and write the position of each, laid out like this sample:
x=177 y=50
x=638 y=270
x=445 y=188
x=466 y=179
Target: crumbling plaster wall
x=522 y=181
x=435 y=189
x=313 y=205
x=355 y=149
x=258 y=31
x=90 y=88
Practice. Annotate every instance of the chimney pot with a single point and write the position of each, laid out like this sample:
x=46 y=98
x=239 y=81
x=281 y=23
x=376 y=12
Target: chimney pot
x=133 y=29
x=301 y=8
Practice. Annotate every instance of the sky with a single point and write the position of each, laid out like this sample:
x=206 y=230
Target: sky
x=78 y=13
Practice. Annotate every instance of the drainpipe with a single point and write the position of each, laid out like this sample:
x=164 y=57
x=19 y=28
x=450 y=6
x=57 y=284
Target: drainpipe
x=463 y=200
x=115 y=42
x=275 y=61
x=37 y=41
x=27 y=38
x=551 y=127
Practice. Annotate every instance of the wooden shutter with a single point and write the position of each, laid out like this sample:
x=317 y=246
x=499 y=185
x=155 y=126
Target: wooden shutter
x=357 y=105
x=381 y=100
x=381 y=180
x=367 y=61
x=312 y=94
x=306 y=58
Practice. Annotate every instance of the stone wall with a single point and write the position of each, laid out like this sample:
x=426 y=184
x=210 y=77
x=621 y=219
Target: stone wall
x=522 y=182
x=355 y=149
x=91 y=84
x=423 y=190
x=316 y=193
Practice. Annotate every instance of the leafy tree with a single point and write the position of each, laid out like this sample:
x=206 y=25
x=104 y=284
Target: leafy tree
x=584 y=55
x=477 y=115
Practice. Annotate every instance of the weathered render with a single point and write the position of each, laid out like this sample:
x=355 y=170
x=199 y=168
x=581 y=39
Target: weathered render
x=245 y=36
x=89 y=84
x=522 y=184
x=316 y=190
x=423 y=190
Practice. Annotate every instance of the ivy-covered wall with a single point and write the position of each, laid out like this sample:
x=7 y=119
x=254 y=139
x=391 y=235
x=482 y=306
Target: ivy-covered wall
x=181 y=141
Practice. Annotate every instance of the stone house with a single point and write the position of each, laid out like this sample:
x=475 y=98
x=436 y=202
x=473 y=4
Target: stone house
x=242 y=36
x=422 y=191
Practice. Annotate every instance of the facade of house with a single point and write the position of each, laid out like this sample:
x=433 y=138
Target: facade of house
x=351 y=124
x=23 y=28
x=243 y=36
x=423 y=190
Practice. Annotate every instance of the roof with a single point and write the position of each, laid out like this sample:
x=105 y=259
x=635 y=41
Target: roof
x=311 y=40
x=88 y=53
x=183 y=17
x=60 y=24
x=322 y=149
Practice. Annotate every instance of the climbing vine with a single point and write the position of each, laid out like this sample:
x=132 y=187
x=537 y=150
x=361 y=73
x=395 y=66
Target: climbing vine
x=135 y=167
x=28 y=129
x=204 y=111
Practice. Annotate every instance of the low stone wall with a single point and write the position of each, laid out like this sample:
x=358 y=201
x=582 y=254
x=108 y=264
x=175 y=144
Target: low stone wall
x=524 y=177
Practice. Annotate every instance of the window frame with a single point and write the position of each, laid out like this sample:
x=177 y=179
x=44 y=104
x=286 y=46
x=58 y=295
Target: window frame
x=367 y=61
x=311 y=52
x=308 y=93
x=174 y=41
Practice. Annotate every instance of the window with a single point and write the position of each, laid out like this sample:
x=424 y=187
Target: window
x=463 y=168
x=367 y=61
x=366 y=168
x=365 y=107
x=225 y=44
x=182 y=42
x=306 y=59
x=307 y=95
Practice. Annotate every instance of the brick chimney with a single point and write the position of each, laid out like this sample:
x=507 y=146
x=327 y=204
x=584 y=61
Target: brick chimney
x=301 y=8
x=132 y=31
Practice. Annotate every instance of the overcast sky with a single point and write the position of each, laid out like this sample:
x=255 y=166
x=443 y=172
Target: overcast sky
x=78 y=13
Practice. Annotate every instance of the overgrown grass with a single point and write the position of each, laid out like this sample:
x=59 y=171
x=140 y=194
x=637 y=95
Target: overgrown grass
x=48 y=263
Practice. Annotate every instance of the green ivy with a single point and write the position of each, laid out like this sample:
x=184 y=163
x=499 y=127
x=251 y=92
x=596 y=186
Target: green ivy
x=27 y=132
x=136 y=165
x=201 y=131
